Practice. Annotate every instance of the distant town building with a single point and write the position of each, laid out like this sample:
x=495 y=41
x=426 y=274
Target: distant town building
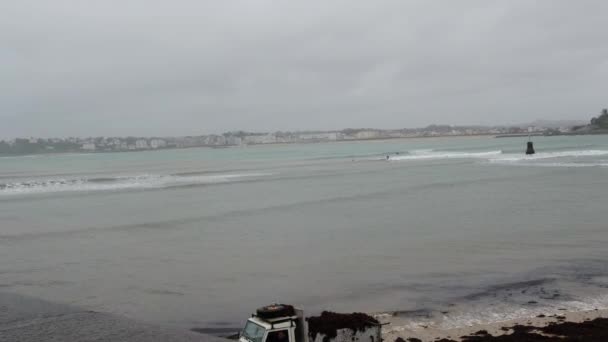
x=367 y=134
x=260 y=139
x=88 y=146
x=141 y=144
x=157 y=143
x=322 y=136
x=234 y=140
x=213 y=140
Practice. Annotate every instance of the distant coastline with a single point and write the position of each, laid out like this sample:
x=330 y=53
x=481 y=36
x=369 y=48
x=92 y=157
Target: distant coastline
x=593 y=132
x=481 y=135
x=40 y=146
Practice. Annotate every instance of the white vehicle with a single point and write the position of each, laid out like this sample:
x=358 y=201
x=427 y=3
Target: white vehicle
x=284 y=323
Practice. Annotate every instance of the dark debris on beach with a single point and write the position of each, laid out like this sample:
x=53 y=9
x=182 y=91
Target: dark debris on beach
x=329 y=323
x=589 y=331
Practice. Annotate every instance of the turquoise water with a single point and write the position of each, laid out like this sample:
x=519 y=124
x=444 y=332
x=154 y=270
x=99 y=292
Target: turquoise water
x=200 y=237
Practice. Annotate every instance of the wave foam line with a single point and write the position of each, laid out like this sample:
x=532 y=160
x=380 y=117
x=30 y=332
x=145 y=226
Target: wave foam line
x=549 y=155
x=492 y=314
x=119 y=183
x=426 y=155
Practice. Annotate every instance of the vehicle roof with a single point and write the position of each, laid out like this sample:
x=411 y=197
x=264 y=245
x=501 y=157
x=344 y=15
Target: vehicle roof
x=268 y=325
x=258 y=321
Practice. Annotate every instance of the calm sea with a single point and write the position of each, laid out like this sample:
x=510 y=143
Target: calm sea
x=200 y=237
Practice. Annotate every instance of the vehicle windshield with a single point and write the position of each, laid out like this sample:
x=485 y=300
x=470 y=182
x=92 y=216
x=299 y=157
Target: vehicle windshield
x=253 y=332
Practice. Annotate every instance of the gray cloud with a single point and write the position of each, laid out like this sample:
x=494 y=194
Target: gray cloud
x=136 y=67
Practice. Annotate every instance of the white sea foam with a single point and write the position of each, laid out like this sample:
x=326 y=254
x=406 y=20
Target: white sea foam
x=431 y=154
x=119 y=183
x=549 y=155
x=565 y=164
x=543 y=159
x=507 y=313
x=422 y=151
x=497 y=313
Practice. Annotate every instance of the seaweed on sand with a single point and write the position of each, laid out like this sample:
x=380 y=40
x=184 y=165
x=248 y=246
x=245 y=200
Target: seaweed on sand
x=329 y=323
x=589 y=331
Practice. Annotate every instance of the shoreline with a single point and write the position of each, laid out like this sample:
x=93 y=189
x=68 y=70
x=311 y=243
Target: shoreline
x=24 y=319
x=379 y=139
x=401 y=328
x=212 y=147
x=28 y=319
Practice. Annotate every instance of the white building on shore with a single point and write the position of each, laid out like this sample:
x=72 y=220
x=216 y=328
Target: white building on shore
x=141 y=144
x=234 y=140
x=321 y=136
x=158 y=143
x=88 y=146
x=260 y=139
x=367 y=135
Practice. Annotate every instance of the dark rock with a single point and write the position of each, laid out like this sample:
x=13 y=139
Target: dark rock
x=530 y=148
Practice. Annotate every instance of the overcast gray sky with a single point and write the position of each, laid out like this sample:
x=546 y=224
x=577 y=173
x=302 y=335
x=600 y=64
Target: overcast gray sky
x=179 y=67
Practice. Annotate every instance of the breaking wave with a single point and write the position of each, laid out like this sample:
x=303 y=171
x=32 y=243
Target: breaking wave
x=574 y=158
x=431 y=154
x=549 y=155
x=119 y=183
